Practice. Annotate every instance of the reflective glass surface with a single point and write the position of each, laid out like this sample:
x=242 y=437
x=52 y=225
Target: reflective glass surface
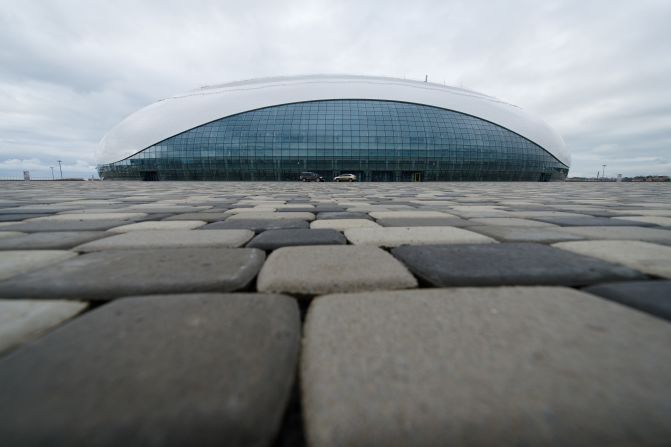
x=376 y=140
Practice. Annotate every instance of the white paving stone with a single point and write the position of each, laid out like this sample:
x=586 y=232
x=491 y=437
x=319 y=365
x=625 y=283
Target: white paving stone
x=509 y=222
x=406 y=214
x=653 y=259
x=170 y=239
x=159 y=225
x=24 y=320
x=344 y=224
x=397 y=236
x=321 y=269
x=15 y=262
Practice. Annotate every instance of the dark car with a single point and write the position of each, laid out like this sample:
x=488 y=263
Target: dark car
x=311 y=177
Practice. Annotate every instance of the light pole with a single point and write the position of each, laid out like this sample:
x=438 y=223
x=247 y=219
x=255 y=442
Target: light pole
x=603 y=174
x=52 y=173
x=60 y=168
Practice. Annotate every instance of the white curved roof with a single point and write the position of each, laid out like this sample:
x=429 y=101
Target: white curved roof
x=179 y=113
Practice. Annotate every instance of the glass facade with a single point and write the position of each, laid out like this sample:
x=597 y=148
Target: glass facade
x=375 y=140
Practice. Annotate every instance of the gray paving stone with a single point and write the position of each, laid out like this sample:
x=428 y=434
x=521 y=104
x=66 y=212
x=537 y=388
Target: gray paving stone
x=163 y=225
x=60 y=240
x=414 y=213
x=509 y=222
x=170 y=239
x=332 y=268
x=39 y=226
x=257 y=225
x=423 y=222
x=343 y=215
x=18 y=217
x=273 y=215
x=17 y=262
x=588 y=221
x=654 y=220
x=10 y=234
x=25 y=320
x=209 y=369
x=633 y=233
x=520 y=366
x=397 y=236
x=507 y=264
x=111 y=274
x=79 y=217
x=653 y=259
x=653 y=297
x=525 y=234
x=273 y=239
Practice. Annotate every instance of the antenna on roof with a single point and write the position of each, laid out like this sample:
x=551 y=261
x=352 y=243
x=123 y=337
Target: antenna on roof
x=426 y=78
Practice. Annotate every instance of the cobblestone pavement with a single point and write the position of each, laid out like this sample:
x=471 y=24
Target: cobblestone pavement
x=329 y=314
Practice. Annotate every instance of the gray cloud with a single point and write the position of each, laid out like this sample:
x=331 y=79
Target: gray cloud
x=598 y=71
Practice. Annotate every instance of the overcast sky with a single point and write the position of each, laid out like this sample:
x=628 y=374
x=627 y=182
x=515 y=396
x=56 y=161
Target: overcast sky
x=597 y=71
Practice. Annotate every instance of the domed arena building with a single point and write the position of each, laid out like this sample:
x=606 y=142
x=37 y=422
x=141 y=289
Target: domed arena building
x=379 y=129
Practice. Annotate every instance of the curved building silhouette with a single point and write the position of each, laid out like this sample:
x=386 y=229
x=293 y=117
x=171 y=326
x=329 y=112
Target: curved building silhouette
x=380 y=129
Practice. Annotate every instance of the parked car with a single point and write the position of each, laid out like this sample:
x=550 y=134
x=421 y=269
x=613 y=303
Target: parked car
x=345 y=178
x=311 y=177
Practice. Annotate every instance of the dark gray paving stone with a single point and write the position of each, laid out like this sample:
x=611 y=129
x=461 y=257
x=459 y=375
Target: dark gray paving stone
x=423 y=222
x=19 y=217
x=653 y=297
x=507 y=264
x=504 y=366
x=272 y=239
x=111 y=274
x=257 y=225
x=51 y=240
x=62 y=225
x=173 y=370
x=328 y=209
x=38 y=210
x=343 y=215
x=589 y=221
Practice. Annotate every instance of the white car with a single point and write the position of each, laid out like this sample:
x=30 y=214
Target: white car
x=345 y=178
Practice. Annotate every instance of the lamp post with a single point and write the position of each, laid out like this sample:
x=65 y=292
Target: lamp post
x=60 y=168
x=52 y=173
x=603 y=174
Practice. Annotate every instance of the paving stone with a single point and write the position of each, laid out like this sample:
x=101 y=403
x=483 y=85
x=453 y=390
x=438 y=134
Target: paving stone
x=273 y=239
x=273 y=216
x=525 y=234
x=257 y=225
x=653 y=259
x=92 y=216
x=332 y=268
x=16 y=262
x=423 y=222
x=170 y=239
x=19 y=217
x=397 y=236
x=343 y=224
x=343 y=215
x=509 y=222
x=653 y=297
x=10 y=234
x=654 y=220
x=506 y=366
x=111 y=274
x=25 y=320
x=60 y=240
x=159 y=226
x=209 y=369
x=64 y=225
x=207 y=217
x=621 y=233
x=588 y=221
x=507 y=264
x=408 y=214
